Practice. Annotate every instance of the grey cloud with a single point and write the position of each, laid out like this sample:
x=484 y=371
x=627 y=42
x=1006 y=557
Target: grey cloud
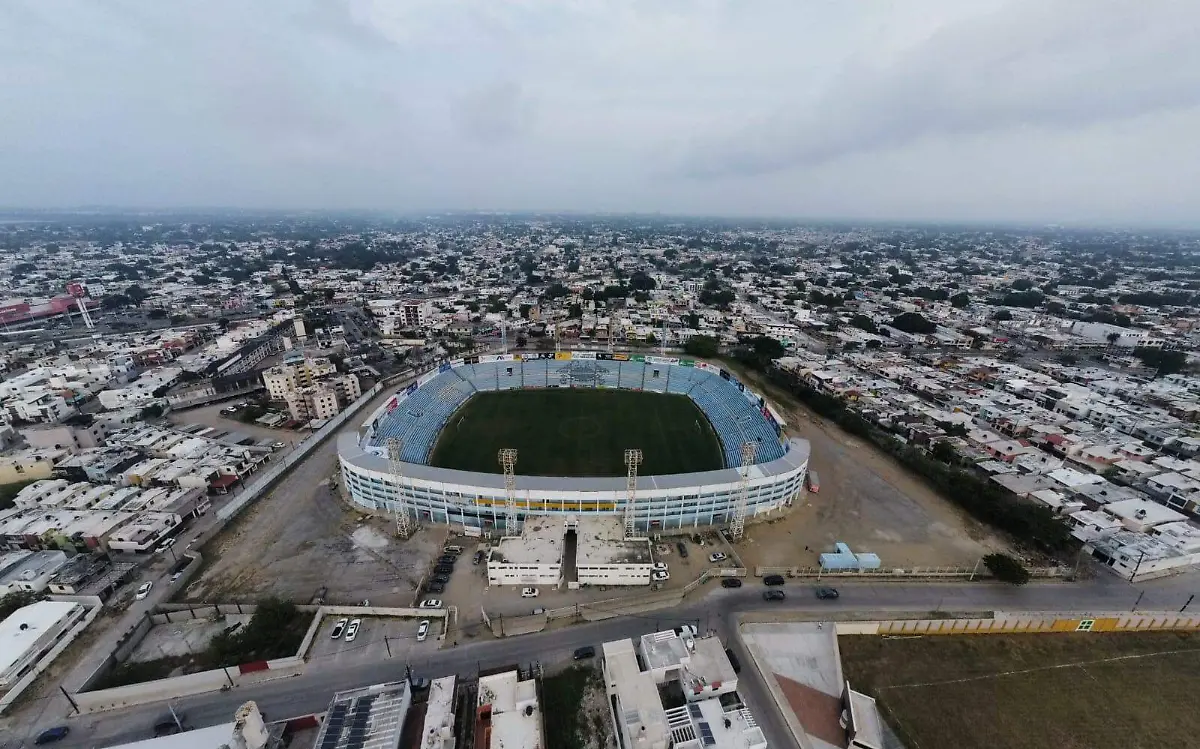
x=494 y=113
x=1057 y=65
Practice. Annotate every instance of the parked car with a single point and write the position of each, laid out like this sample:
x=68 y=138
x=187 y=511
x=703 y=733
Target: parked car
x=529 y=592
x=827 y=593
x=585 y=652
x=773 y=595
x=660 y=566
x=455 y=550
x=682 y=549
x=338 y=629
x=50 y=735
x=773 y=580
x=278 y=445
x=659 y=576
x=352 y=630
x=718 y=556
x=175 y=577
x=479 y=557
x=733 y=661
x=443 y=579
x=813 y=481
x=443 y=569
x=431 y=603
x=731 y=582
x=435 y=588
x=366 y=603
x=423 y=630
x=447 y=559
x=143 y=590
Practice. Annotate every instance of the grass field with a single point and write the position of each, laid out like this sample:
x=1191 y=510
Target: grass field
x=1068 y=691
x=578 y=433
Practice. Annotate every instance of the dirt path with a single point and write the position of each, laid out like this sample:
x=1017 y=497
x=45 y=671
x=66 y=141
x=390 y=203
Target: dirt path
x=867 y=500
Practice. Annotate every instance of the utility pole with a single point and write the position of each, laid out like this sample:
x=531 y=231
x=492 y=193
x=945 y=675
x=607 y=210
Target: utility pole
x=1187 y=603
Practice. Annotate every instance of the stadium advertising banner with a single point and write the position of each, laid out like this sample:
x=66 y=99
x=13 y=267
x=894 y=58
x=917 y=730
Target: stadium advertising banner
x=485 y=358
x=661 y=360
x=456 y=363
x=752 y=397
x=508 y=357
x=444 y=367
x=706 y=367
x=637 y=357
x=687 y=363
x=412 y=388
x=472 y=360
x=725 y=374
x=562 y=355
x=585 y=355
x=391 y=406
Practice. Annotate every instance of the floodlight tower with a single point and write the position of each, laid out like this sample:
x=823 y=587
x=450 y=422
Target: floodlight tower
x=404 y=523
x=77 y=290
x=633 y=458
x=508 y=461
x=738 y=526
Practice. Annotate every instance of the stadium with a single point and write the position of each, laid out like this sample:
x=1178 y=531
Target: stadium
x=706 y=444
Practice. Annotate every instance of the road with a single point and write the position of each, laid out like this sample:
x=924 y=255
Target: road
x=718 y=610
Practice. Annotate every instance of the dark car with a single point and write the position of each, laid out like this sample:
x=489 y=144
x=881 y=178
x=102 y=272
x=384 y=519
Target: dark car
x=773 y=580
x=773 y=595
x=733 y=661
x=443 y=569
x=443 y=579
x=827 y=593
x=682 y=549
x=731 y=582
x=436 y=588
x=479 y=556
x=168 y=725
x=50 y=735
x=584 y=652
x=447 y=559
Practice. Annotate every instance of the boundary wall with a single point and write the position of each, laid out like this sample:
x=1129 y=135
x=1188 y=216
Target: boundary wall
x=1014 y=623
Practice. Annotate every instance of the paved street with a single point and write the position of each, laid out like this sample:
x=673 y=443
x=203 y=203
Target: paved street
x=717 y=610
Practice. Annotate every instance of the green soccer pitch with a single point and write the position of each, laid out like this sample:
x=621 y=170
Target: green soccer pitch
x=578 y=432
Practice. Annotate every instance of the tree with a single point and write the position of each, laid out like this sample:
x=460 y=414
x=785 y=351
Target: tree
x=961 y=300
x=1163 y=361
x=944 y=451
x=693 y=321
x=522 y=341
x=703 y=346
x=1022 y=284
x=16 y=600
x=1002 y=315
x=642 y=281
x=136 y=294
x=1112 y=338
x=156 y=314
x=1006 y=568
x=913 y=322
x=862 y=322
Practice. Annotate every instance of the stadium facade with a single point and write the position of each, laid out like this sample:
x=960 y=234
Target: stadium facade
x=477 y=501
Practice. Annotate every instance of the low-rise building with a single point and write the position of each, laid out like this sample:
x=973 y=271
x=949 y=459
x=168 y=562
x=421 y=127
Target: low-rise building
x=31 y=631
x=508 y=715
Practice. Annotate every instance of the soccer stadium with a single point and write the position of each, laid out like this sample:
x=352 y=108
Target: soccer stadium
x=568 y=419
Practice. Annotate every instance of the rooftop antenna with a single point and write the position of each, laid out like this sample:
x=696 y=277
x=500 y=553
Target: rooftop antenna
x=633 y=458
x=404 y=524
x=738 y=526
x=508 y=461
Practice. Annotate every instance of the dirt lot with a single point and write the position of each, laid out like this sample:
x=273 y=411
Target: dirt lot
x=182 y=638
x=301 y=538
x=1068 y=691
x=866 y=500
x=211 y=416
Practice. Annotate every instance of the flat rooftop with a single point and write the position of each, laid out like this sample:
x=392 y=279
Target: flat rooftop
x=540 y=542
x=701 y=725
x=367 y=718
x=21 y=630
x=601 y=540
x=516 y=717
x=641 y=708
x=438 y=731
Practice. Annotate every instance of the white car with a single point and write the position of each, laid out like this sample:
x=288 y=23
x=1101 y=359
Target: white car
x=423 y=630
x=338 y=628
x=660 y=566
x=529 y=592
x=167 y=544
x=660 y=576
x=717 y=556
x=352 y=630
x=431 y=603
x=143 y=590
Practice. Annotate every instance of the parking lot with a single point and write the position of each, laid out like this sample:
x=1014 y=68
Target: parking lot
x=378 y=638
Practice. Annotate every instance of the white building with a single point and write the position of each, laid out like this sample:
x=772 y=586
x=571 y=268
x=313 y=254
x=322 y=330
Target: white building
x=605 y=557
x=31 y=631
x=29 y=572
x=508 y=715
x=704 y=675
x=438 y=730
x=532 y=558
x=141 y=391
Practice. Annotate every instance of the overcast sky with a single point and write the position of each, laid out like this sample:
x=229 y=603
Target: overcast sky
x=1078 y=111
